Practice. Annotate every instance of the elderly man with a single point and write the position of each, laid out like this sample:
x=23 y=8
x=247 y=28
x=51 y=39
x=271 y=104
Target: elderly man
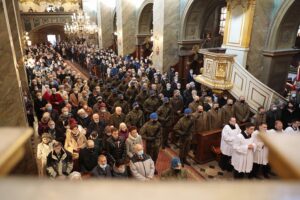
x=83 y=118
x=88 y=157
x=102 y=170
x=59 y=162
x=95 y=125
x=176 y=172
x=117 y=118
x=141 y=165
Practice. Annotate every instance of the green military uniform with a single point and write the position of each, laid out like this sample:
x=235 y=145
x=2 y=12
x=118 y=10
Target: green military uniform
x=151 y=132
x=227 y=113
x=214 y=119
x=135 y=118
x=130 y=94
x=241 y=111
x=116 y=120
x=194 y=105
x=141 y=97
x=165 y=118
x=171 y=174
x=151 y=105
x=123 y=104
x=184 y=128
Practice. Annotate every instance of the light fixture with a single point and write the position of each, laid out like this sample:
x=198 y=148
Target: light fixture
x=80 y=25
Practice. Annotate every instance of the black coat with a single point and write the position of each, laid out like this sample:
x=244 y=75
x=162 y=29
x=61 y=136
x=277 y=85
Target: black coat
x=116 y=150
x=88 y=159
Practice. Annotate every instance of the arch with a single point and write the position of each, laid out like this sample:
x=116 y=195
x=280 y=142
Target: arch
x=145 y=17
x=115 y=21
x=39 y=34
x=283 y=26
x=195 y=15
x=46 y=26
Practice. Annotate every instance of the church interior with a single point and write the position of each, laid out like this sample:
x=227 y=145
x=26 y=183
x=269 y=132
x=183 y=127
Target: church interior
x=175 y=98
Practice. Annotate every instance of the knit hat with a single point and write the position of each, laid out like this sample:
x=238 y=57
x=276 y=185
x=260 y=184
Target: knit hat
x=153 y=116
x=152 y=92
x=166 y=100
x=99 y=98
x=187 y=111
x=135 y=104
x=175 y=162
x=73 y=123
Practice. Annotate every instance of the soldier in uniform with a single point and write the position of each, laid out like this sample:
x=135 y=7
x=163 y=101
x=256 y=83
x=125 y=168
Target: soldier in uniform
x=241 y=110
x=214 y=117
x=117 y=118
x=142 y=96
x=165 y=118
x=151 y=132
x=112 y=99
x=227 y=111
x=200 y=117
x=122 y=103
x=194 y=105
x=184 y=128
x=259 y=117
x=135 y=117
x=177 y=104
x=151 y=104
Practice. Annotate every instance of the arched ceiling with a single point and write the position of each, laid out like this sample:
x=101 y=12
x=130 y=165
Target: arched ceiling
x=145 y=19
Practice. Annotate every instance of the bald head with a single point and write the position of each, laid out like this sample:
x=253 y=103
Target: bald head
x=138 y=147
x=90 y=144
x=118 y=110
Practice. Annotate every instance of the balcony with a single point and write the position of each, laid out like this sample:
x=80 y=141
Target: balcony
x=36 y=20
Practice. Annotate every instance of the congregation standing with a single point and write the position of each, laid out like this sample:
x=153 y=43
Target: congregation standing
x=114 y=125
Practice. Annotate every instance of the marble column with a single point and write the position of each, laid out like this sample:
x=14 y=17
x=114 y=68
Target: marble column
x=12 y=112
x=105 y=23
x=126 y=26
x=238 y=28
x=165 y=33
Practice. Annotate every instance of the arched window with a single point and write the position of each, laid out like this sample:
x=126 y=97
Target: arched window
x=222 y=20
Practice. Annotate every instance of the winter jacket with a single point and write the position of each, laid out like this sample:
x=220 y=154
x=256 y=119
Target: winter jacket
x=142 y=167
x=59 y=166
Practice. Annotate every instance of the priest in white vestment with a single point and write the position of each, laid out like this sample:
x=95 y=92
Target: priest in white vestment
x=229 y=133
x=243 y=152
x=261 y=153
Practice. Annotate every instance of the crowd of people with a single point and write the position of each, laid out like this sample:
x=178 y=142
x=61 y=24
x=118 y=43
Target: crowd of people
x=114 y=125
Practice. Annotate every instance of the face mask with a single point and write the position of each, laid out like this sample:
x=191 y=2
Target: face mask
x=66 y=113
x=40 y=98
x=66 y=101
x=96 y=121
x=177 y=171
x=49 y=109
x=230 y=104
x=52 y=127
x=242 y=101
x=103 y=166
x=140 y=153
